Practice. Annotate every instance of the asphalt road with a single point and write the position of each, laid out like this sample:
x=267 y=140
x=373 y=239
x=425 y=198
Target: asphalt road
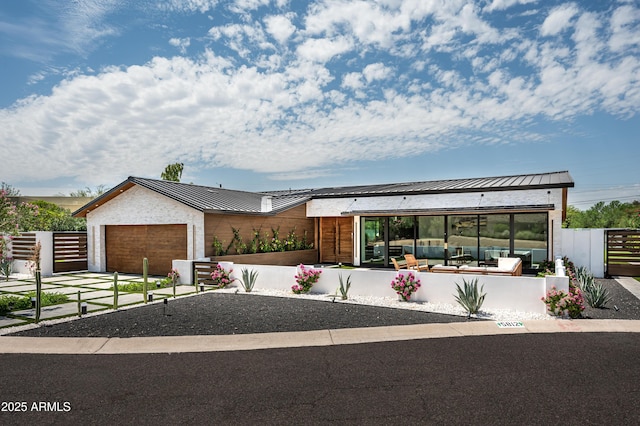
x=568 y=378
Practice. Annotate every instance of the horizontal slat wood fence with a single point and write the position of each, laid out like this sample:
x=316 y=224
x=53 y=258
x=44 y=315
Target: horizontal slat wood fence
x=69 y=251
x=22 y=246
x=623 y=253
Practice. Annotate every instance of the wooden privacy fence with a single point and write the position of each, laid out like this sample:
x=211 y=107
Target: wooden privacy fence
x=202 y=272
x=22 y=246
x=623 y=252
x=69 y=251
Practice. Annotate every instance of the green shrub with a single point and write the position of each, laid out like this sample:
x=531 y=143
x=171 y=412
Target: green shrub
x=19 y=303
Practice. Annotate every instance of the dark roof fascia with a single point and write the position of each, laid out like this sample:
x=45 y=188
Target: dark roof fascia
x=98 y=201
x=452 y=210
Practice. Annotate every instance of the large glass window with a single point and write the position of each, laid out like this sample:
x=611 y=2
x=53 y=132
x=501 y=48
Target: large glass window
x=463 y=240
x=530 y=238
x=430 y=241
x=401 y=235
x=495 y=237
x=373 y=241
x=470 y=239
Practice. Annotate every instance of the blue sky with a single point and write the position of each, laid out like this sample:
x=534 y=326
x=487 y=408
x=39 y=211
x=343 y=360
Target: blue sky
x=259 y=94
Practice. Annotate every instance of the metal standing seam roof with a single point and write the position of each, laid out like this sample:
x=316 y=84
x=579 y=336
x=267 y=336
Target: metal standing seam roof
x=499 y=183
x=211 y=199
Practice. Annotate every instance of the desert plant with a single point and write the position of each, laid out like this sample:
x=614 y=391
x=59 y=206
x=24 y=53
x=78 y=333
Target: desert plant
x=305 y=279
x=405 y=285
x=115 y=290
x=597 y=295
x=344 y=287
x=173 y=275
x=145 y=275
x=469 y=297
x=249 y=278
x=38 y=294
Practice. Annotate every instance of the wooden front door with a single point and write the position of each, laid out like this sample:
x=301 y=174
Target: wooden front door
x=336 y=239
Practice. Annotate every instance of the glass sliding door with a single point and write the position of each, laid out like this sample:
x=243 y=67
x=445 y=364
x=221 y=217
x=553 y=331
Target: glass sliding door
x=373 y=241
x=462 y=238
x=530 y=231
x=401 y=236
x=430 y=239
x=495 y=238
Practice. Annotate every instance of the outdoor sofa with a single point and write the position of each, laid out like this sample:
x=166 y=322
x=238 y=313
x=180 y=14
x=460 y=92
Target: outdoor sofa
x=506 y=266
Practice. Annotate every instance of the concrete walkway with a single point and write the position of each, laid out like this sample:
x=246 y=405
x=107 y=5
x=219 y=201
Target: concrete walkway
x=243 y=342
x=631 y=284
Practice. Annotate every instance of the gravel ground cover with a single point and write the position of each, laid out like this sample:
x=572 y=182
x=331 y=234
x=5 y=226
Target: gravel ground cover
x=224 y=313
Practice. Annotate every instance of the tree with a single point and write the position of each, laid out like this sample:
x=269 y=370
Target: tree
x=15 y=218
x=52 y=217
x=601 y=215
x=173 y=172
x=88 y=192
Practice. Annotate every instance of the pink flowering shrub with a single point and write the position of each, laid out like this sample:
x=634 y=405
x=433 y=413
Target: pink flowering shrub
x=305 y=279
x=561 y=304
x=221 y=278
x=405 y=285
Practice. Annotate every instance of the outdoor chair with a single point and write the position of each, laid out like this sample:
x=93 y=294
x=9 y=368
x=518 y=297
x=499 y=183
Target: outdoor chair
x=412 y=263
x=397 y=265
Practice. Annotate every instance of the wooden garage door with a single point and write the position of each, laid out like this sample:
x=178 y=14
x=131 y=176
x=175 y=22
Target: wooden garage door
x=128 y=245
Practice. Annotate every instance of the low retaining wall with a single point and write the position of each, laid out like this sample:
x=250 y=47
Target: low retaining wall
x=521 y=294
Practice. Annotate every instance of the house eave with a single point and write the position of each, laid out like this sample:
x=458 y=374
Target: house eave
x=453 y=210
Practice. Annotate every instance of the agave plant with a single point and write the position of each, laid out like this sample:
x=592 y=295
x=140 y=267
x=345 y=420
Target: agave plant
x=344 y=286
x=597 y=296
x=469 y=297
x=249 y=278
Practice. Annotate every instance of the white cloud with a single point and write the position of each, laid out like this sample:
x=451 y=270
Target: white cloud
x=201 y=6
x=343 y=91
x=625 y=25
x=181 y=43
x=505 y=4
x=558 y=20
x=377 y=71
x=280 y=27
x=323 y=49
x=56 y=28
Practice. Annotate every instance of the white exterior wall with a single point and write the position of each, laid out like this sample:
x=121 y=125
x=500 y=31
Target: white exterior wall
x=522 y=294
x=140 y=206
x=46 y=256
x=338 y=206
x=585 y=247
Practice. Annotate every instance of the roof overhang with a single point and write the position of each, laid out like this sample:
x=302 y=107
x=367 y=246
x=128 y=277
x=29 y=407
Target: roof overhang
x=453 y=210
x=107 y=196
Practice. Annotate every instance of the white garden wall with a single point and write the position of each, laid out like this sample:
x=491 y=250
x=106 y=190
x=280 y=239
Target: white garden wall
x=46 y=256
x=585 y=247
x=520 y=294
